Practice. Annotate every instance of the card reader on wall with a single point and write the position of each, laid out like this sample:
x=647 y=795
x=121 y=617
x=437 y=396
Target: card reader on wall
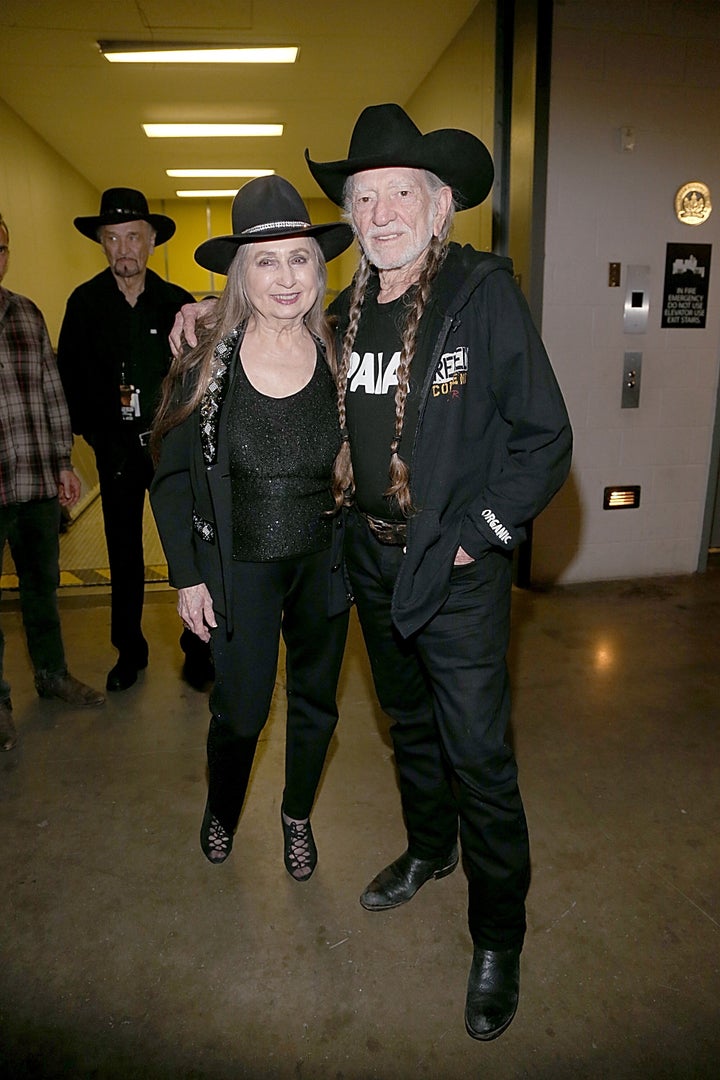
x=637 y=299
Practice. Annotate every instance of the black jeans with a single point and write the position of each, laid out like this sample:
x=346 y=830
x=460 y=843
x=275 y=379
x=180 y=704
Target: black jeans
x=289 y=596
x=447 y=690
x=125 y=473
x=32 y=530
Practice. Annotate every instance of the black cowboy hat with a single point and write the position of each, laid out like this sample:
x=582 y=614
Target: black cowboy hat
x=269 y=208
x=120 y=204
x=384 y=137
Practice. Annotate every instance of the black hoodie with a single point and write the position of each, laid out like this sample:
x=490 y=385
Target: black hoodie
x=493 y=443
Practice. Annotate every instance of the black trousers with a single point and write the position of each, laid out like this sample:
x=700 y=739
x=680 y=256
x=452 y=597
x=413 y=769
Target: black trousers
x=288 y=597
x=447 y=691
x=32 y=530
x=125 y=473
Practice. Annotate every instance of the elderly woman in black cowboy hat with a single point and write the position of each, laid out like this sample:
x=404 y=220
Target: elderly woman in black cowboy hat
x=247 y=433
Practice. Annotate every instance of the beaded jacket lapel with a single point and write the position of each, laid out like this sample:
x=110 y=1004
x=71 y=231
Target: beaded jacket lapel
x=214 y=396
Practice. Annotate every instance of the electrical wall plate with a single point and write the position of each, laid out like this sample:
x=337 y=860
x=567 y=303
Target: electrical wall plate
x=637 y=299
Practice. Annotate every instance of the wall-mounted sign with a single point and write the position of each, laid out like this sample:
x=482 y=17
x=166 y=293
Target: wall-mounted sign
x=692 y=203
x=687 y=276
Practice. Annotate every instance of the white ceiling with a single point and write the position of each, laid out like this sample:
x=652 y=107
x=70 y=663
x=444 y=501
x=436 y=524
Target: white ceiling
x=90 y=111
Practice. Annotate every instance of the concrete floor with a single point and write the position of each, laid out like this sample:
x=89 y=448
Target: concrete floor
x=126 y=955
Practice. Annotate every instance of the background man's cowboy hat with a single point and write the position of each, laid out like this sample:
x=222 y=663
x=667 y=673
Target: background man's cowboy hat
x=120 y=204
x=269 y=208
x=385 y=137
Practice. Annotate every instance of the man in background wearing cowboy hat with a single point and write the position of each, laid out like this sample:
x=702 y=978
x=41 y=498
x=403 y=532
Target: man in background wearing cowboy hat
x=458 y=437
x=113 y=355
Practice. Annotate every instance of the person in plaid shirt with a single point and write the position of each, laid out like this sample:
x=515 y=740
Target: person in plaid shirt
x=36 y=480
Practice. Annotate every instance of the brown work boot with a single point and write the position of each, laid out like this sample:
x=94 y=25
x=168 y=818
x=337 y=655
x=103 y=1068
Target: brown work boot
x=68 y=689
x=8 y=734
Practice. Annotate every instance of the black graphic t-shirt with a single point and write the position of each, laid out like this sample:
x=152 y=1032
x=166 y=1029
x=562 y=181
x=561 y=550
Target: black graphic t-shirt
x=372 y=382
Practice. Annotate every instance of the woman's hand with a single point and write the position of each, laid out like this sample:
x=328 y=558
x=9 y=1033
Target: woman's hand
x=195 y=608
x=183 y=329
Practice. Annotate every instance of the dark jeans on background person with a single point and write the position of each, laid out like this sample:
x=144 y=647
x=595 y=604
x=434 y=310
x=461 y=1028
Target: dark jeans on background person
x=32 y=529
x=446 y=689
x=289 y=596
x=125 y=472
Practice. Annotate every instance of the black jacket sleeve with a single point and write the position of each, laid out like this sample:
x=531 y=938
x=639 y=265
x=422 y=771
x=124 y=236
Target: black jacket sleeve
x=172 y=501
x=532 y=460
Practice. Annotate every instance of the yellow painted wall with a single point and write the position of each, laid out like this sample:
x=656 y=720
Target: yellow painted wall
x=459 y=92
x=195 y=221
x=40 y=194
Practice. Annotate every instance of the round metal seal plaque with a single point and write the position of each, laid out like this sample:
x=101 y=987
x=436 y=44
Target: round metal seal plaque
x=692 y=203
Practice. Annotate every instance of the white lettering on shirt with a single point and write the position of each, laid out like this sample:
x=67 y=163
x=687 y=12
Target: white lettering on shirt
x=371 y=373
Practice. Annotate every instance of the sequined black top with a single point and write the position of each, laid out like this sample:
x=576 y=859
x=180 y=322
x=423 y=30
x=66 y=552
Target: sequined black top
x=281 y=456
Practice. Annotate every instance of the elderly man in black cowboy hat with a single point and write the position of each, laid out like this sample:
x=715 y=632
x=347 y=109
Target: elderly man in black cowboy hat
x=457 y=437
x=113 y=356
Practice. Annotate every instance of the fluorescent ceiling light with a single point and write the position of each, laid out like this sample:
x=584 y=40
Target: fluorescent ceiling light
x=215 y=174
x=133 y=52
x=230 y=193
x=199 y=131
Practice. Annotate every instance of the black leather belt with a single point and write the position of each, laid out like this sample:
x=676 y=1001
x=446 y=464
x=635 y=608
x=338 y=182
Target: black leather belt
x=387 y=532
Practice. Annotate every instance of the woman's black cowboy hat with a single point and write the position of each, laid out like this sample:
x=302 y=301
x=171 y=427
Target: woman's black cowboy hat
x=269 y=208
x=384 y=137
x=121 y=204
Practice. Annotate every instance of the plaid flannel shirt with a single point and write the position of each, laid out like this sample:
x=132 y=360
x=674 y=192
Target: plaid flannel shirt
x=35 y=434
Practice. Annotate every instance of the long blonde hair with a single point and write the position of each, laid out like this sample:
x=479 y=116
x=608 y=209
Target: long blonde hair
x=417 y=299
x=190 y=373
